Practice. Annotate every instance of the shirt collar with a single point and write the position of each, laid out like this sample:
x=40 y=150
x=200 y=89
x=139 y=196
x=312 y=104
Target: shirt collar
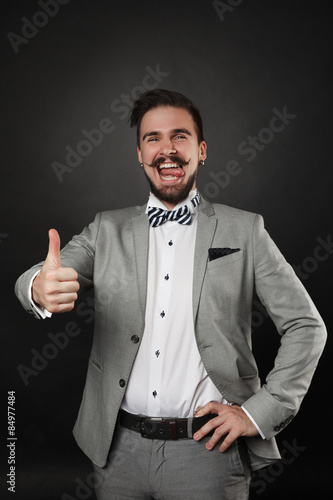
x=153 y=201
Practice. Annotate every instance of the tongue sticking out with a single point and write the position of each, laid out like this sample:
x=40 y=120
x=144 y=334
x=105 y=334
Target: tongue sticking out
x=174 y=172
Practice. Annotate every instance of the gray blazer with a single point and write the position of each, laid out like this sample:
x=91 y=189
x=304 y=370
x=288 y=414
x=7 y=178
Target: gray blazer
x=111 y=255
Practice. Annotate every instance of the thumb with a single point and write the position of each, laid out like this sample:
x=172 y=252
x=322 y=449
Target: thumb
x=53 y=256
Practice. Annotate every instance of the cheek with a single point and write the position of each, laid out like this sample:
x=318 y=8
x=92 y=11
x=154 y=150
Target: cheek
x=189 y=154
x=149 y=154
x=150 y=172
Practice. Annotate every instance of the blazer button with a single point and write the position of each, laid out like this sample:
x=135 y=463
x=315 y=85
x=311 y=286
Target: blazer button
x=277 y=428
x=135 y=339
x=122 y=382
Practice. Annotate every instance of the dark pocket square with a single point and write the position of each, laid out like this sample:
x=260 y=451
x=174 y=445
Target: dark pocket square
x=216 y=253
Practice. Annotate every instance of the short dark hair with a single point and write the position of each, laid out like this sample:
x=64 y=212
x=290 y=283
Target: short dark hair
x=160 y=97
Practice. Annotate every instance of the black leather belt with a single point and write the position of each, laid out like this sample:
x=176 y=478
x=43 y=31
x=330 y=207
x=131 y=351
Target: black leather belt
x=158 y=428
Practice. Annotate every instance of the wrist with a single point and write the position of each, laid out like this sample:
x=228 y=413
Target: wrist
x=34 y=291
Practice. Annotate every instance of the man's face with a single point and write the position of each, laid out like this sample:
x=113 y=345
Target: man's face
x=170 y=153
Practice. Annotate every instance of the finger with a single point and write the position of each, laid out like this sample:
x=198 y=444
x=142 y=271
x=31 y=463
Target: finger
x=55 y=297
x=60 y=308
x=208 y=427
x=210 y=407
x=229 y=439
x=61 y=275
x=220 y=433
x=53 y=255
x=66 y=287
x=225 y=432
x=55 y=289
x=66 y=298
x=66 y=274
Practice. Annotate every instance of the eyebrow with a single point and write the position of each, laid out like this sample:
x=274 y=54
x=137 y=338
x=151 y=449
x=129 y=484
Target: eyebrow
x=174 y=131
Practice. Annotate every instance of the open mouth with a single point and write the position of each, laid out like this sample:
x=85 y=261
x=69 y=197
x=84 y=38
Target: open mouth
x=170 y=171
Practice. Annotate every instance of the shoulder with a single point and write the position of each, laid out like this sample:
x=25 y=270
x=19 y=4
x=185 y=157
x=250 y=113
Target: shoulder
x=230 y=214
x=120 y=215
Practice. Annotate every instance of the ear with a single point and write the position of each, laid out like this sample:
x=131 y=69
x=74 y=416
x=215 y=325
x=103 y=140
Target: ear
x=202 y=151
x=139 y=154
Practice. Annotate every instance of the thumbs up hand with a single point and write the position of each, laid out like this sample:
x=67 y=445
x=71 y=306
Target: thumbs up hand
x=55 y=287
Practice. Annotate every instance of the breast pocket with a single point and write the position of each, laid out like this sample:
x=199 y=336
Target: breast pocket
x=225 y=260
x=224 y=283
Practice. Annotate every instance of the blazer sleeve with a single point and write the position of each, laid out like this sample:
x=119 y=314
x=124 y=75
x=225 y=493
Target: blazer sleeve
x=303 y=336
x=79 y=254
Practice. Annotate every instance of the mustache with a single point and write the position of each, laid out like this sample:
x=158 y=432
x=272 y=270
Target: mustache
x=174 y=159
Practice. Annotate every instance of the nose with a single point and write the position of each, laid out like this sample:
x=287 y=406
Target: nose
x=167 y=147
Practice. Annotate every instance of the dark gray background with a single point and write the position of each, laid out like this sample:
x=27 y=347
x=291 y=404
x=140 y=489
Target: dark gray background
x=262 y=55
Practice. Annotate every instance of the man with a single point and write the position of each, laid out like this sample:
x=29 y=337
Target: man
x=172 y=407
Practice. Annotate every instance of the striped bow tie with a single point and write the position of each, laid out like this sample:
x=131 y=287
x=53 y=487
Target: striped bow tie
x=158 y=216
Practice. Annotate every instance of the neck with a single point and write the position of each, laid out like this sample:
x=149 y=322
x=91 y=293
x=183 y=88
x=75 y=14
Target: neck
x=171 y=205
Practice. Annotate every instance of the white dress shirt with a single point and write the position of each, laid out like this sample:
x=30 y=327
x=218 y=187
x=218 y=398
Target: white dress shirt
x=168 y=378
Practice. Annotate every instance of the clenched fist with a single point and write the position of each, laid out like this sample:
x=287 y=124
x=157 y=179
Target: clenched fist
x=55 y=287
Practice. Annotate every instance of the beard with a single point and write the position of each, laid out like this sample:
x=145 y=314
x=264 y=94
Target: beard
x=173 y=194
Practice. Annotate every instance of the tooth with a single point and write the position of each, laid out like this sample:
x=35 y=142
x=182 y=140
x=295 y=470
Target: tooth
x=168 y=165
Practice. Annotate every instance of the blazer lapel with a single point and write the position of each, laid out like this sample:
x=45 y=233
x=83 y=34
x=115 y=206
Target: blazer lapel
x=206 y=227
x=140 y=231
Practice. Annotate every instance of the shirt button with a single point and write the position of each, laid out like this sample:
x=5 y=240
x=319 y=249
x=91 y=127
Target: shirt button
x=170 y=243
x=122 y=382
x=135 y=339
x=162 y=314
x=166 y=277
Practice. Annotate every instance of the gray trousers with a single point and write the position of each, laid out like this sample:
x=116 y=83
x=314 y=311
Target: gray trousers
x=151 y=469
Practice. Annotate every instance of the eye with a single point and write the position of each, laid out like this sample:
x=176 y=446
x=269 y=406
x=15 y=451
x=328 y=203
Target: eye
x=180 y=137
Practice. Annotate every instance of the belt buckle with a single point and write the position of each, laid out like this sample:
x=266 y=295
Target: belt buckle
x=148 y=426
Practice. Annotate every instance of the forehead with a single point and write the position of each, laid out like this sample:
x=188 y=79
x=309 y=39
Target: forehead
x=166 y=118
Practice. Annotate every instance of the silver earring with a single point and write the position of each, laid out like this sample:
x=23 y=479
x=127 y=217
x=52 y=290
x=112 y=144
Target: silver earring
x=141 y=165
x=202 y=163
